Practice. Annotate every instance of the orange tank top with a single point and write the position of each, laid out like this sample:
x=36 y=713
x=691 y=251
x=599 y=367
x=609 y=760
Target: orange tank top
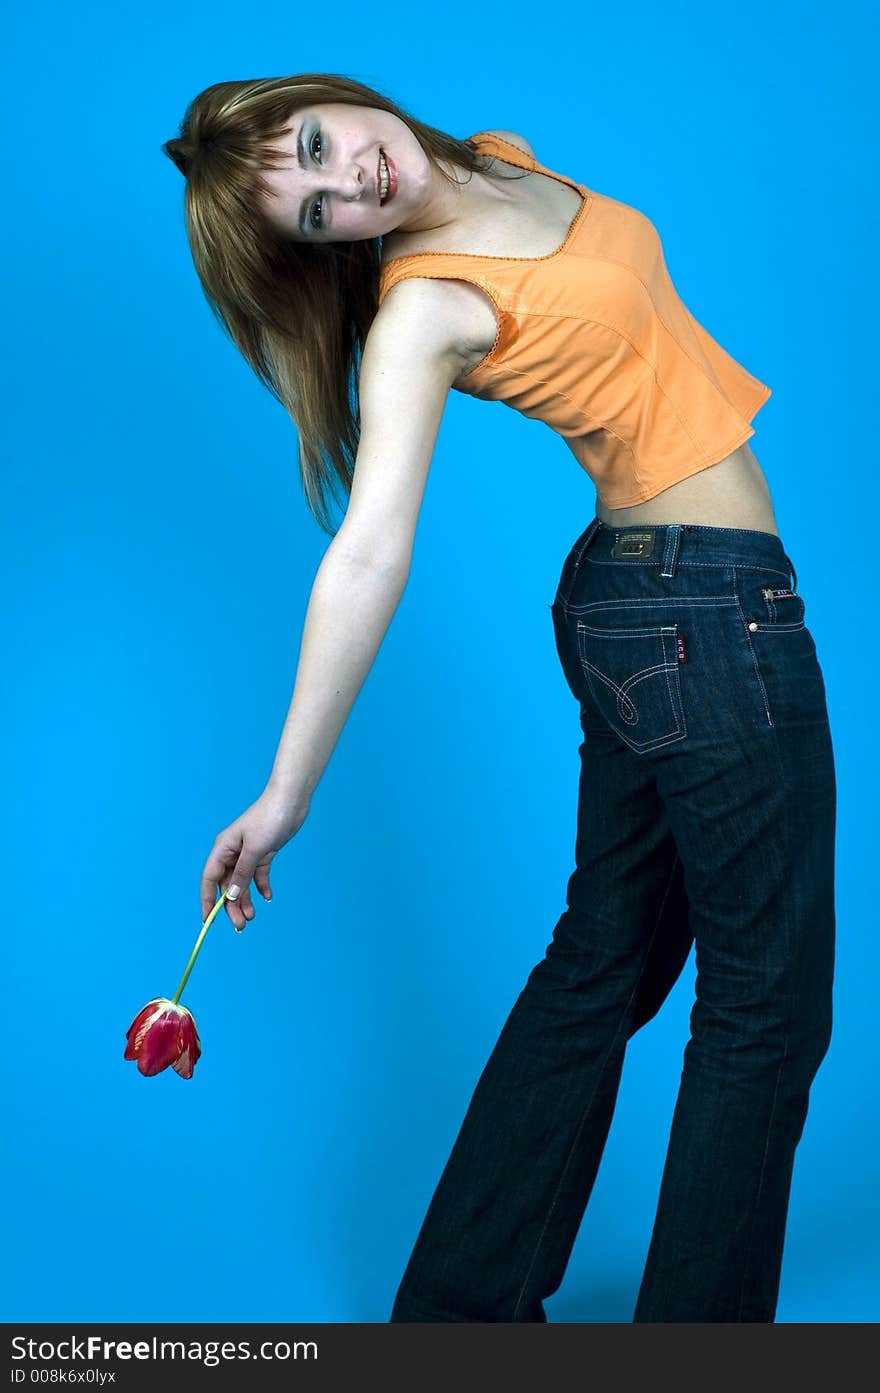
x=594 y=341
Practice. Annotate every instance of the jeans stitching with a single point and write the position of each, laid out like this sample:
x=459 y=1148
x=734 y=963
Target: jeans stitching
x=592 y=1098
x=693 y=565
x=649 y=601
x=791 y=1005
x=773 y=608
x=670 y=551
x=673 y=690
x=742 y=1293
x=751 y=648
x=622 y=692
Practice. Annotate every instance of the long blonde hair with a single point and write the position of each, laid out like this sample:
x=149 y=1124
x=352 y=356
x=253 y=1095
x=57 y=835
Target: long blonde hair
x=298 y=313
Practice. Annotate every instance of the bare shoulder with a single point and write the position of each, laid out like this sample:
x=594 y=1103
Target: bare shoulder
x=518 y=140
x=427 y=317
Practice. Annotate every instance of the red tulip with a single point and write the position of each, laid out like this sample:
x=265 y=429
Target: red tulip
x=163 y=1033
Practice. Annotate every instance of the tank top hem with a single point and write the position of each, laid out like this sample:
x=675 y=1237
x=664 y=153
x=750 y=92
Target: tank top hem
x=713 y=456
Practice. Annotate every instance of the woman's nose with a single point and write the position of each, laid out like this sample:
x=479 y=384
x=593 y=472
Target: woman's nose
x=353 y=184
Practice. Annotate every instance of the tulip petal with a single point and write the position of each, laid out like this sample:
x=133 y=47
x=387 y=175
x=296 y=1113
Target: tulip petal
x=191 y=1047
x=141 y=1024
x=185 y=1063
x=158 y=1003
x=160 y=1045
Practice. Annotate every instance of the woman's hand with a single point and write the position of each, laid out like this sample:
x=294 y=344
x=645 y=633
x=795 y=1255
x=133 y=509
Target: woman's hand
x=244 y=850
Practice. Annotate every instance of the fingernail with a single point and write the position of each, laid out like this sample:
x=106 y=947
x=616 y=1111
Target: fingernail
x=233 y=892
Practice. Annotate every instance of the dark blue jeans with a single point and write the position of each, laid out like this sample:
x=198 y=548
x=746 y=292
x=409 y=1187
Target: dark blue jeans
x=706 y=814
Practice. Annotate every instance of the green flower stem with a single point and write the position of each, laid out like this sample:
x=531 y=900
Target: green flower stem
x=195 y=952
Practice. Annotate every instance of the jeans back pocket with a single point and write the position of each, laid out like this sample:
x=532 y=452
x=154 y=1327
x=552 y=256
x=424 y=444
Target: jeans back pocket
x=633 y=677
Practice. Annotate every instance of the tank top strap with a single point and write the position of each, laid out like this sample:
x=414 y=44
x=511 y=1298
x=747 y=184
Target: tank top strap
x=489 y=143
x=460 y=266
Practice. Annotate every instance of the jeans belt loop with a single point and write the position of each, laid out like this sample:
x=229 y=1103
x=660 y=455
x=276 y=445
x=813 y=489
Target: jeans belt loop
x=793 y=571
x=588 y=537
x=564 y=593
x=670 y=551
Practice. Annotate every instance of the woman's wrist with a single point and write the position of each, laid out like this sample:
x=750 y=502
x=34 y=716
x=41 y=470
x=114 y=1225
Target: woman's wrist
x=294 y=800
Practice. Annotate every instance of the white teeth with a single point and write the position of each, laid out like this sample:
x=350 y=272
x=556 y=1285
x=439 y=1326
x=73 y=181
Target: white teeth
x=384 y=179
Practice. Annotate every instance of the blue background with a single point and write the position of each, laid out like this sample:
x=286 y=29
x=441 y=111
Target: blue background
x=158 y=557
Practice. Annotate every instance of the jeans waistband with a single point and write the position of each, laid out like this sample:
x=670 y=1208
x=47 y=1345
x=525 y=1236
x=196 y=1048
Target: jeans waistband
x=668 y=545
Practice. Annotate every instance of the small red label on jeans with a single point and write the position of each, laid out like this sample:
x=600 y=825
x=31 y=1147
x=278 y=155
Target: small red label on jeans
x=682 y=649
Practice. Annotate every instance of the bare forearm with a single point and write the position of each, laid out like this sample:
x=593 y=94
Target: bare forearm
x=350 y=608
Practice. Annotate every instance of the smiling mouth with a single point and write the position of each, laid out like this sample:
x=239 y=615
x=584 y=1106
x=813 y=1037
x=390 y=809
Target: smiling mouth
x=383 y=162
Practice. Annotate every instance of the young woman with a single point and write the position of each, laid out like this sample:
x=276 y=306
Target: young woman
x=364 y=264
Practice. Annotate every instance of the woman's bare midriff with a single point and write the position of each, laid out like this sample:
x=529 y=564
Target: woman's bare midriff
x=732 y=493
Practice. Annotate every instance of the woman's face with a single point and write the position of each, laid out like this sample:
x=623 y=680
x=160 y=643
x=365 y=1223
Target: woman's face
x=330 y=191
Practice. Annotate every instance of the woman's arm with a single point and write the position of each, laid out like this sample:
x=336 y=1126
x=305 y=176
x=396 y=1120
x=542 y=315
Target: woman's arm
x=409 y=362
x=351 y=605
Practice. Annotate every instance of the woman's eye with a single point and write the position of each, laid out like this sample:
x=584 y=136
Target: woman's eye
x=317 y=223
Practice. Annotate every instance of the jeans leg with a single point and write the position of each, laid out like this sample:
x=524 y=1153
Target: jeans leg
x=754 y=819
x=501 y=1224
x=667 y=954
